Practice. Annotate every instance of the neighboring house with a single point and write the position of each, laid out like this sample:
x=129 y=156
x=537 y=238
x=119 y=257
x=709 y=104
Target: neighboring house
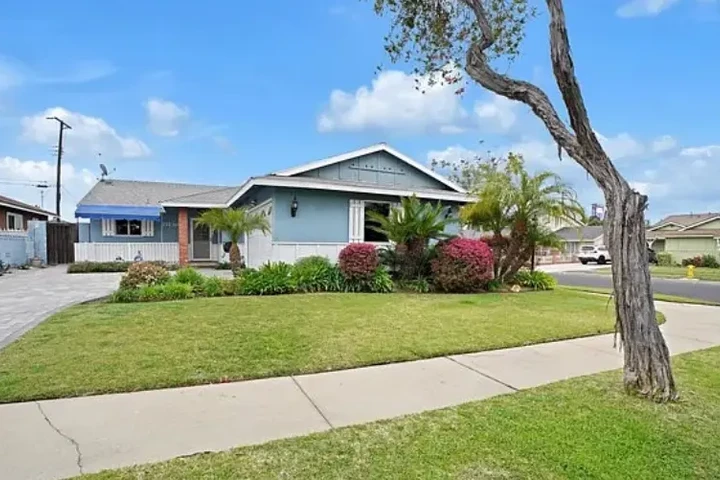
x=573 y=238
x=685 y=236
x=14 y=214
x=313 y=209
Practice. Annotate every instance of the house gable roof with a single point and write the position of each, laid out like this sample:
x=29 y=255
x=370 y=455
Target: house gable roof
x=689 y=220
x=380 y=147
x=18 y=205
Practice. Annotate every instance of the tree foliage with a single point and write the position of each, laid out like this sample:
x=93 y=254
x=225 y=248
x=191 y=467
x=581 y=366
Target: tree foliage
x=411 y=227
x=453 y=36
x=515 y=207
x=236 y=222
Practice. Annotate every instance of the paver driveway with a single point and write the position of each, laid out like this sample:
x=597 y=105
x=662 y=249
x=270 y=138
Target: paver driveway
x=27 y=297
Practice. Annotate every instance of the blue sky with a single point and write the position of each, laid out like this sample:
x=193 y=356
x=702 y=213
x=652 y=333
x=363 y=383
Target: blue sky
x=170 y=91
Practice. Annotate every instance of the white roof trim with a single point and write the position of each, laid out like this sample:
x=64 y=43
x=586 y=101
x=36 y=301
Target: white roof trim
x=707 y=220
x=37 y=211
x=378 y=190
x=665 y=225
x=380 y=147
x=193 y=205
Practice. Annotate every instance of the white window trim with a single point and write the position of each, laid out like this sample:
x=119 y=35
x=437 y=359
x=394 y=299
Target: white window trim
x=361 y=229
x=16 y=216
x=109 y=229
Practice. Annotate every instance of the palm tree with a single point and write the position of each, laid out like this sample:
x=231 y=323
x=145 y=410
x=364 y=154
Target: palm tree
x=513 y=205
x=236 y=222
x=411 y=227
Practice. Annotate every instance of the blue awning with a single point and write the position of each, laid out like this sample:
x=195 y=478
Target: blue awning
x=119 y=212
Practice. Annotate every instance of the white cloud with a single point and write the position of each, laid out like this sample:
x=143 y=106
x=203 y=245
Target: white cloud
x=498 y=113
x=89 y=135
x=644 y=8
x=75 y=181
x=165 y=118
x=621 y=146
x=14 y=73
x=663 y=144
x=656 y=190
x=395 y=101
x=707 y=151
x=452 y=155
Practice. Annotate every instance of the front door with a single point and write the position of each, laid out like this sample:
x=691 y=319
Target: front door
x=200 y=241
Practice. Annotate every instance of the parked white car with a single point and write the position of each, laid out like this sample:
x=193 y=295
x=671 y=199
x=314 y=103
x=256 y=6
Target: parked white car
x=598 y=254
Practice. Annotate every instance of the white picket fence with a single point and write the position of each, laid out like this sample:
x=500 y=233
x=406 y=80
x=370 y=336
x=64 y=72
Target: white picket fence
x=108 y=252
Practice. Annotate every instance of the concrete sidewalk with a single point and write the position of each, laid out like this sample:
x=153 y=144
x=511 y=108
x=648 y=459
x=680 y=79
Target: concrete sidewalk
x=61 y=438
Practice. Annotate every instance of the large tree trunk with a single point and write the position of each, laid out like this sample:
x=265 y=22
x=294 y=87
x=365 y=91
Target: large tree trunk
x=647 y=359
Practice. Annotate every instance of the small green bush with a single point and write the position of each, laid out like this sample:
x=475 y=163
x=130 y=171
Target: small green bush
x=144 y=273
x=189 y=276
x=380 y=282
x=150 y=293
x=270 y=279
x=665 y=259
x=536 y=280
x=125 y=295
x=421 y=285
x=213 y=287
x=223 y=266
x=710 y=261
x=314 y=274
x=228 y=286
x=176 y=291
x=98 y=267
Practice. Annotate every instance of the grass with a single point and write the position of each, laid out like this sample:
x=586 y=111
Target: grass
x=658 y=296
x=580 y=428
x=103 y=348
x=708 y=274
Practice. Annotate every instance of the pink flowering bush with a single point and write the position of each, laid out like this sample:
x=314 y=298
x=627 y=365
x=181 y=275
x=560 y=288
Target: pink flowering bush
x=462 y=265
x=358 y=261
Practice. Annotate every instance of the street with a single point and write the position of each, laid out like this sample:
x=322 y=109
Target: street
x=709 y=291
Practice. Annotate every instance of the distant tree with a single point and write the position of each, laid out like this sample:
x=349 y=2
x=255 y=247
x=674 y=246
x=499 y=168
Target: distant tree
x=594 y=221
x=236 y=222
x=452 y=36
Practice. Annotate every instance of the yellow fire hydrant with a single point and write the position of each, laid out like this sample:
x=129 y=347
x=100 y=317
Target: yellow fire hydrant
x=691 y=271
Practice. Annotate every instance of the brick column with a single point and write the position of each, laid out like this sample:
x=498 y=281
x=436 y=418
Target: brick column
x=183 y=237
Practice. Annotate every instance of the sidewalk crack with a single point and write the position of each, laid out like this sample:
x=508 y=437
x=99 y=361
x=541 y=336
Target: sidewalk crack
x=66 y=437
x=312 y=402
x=489 y=377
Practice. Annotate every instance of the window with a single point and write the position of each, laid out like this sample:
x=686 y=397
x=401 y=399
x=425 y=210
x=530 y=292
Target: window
x=370 y=234
x=132 y=228
x=14 y=221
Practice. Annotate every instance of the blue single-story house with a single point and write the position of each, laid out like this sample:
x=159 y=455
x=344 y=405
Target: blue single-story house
x=314 y=209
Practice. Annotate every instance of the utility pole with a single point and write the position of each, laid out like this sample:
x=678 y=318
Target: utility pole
x=58 y=184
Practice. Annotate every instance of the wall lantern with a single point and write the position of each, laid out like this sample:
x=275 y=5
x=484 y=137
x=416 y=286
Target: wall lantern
x=449 y=212
x=293 y=206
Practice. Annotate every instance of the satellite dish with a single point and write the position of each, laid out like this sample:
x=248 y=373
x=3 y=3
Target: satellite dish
x=104 y=170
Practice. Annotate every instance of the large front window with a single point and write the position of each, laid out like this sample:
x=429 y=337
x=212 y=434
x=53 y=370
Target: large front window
x=130 y=228
x=370 y=234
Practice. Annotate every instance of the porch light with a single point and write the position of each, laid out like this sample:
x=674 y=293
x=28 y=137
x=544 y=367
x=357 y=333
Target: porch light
x=449 y=212
x=293 y=206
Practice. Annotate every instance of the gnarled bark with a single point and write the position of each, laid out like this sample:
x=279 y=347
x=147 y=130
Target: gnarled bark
x=647 y=361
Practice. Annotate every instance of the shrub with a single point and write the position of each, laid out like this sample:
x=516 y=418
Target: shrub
x=150 y=293
x=223 y=266
x=212 y=287
x=536 y=280
x=420 y=285
x=111 y=267
x=358 y=262
x=314 y=274
x=462 y=265
x=228 y=286
x=665 y=259
x=270 y=279
x=176 y=291
x=710 y=261
x=96 y=267
x=125 y=295
x=189 y=276
x=144 y=273
x=694 y=261
x=379 y=282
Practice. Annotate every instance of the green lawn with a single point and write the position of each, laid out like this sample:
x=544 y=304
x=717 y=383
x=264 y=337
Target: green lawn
x=581 y=428
x=101 y=348
x=657 y=296
x=711 y=274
